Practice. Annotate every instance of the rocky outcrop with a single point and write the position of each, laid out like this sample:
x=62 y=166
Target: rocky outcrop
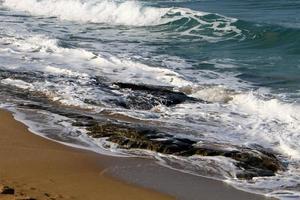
x=125 y=95
x=141 y=138
x=251 y=162
x=145 y=97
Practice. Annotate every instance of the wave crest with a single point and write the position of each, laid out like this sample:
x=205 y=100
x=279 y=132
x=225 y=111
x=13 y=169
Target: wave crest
x=132 y=13
x=110 y=12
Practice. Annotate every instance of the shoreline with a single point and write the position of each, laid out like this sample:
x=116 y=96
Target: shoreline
x=44 y=169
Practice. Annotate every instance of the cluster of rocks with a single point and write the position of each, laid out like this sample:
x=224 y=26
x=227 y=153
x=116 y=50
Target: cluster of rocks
x=7 y=192
x=252 y=162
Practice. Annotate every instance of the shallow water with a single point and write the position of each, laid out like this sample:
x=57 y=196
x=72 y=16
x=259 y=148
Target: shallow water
x=241 y=57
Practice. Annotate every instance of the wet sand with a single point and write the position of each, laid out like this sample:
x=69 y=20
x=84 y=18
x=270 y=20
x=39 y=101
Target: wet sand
x=43 y=169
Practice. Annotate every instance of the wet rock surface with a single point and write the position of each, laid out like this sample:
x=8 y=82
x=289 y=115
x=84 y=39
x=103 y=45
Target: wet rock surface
x=145 y=97
x=117 y=94
x=250 y=162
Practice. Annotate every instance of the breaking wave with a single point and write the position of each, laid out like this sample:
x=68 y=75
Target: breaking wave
x=183 y=20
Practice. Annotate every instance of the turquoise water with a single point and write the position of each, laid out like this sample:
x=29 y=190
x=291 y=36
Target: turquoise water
x=240 y=57
x=267 y=53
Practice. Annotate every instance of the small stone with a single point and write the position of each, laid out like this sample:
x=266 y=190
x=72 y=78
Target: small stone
x=6 y=190
x=47 y=195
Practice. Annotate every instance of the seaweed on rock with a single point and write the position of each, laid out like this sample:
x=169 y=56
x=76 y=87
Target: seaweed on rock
x=251 y=162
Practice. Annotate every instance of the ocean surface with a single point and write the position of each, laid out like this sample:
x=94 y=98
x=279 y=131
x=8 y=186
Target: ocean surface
x=243 y=57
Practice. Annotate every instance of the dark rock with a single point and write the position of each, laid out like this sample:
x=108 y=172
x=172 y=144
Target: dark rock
x=145 y=97
x=6 y=190
x=47 y=194
x=141 y=138
x=251 y=162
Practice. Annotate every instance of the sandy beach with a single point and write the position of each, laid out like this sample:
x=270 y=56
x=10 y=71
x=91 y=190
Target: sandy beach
x=39 y=168
x=42 y=169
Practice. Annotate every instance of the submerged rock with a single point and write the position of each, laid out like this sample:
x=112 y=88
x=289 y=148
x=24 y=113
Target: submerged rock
x=251 y=162
x=145 y=97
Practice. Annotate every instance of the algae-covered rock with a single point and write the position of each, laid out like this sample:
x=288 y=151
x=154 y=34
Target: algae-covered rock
x=141 y=138
x=251 y=162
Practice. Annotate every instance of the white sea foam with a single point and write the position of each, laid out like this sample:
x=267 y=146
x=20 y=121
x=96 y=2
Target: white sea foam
x=112 y=12
x=276 y=122
x=249 y=117
x=45 y=55
x=65 y=93
x=212 y=93
x=62 y=71
x=17 y=83
x=84 y=63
